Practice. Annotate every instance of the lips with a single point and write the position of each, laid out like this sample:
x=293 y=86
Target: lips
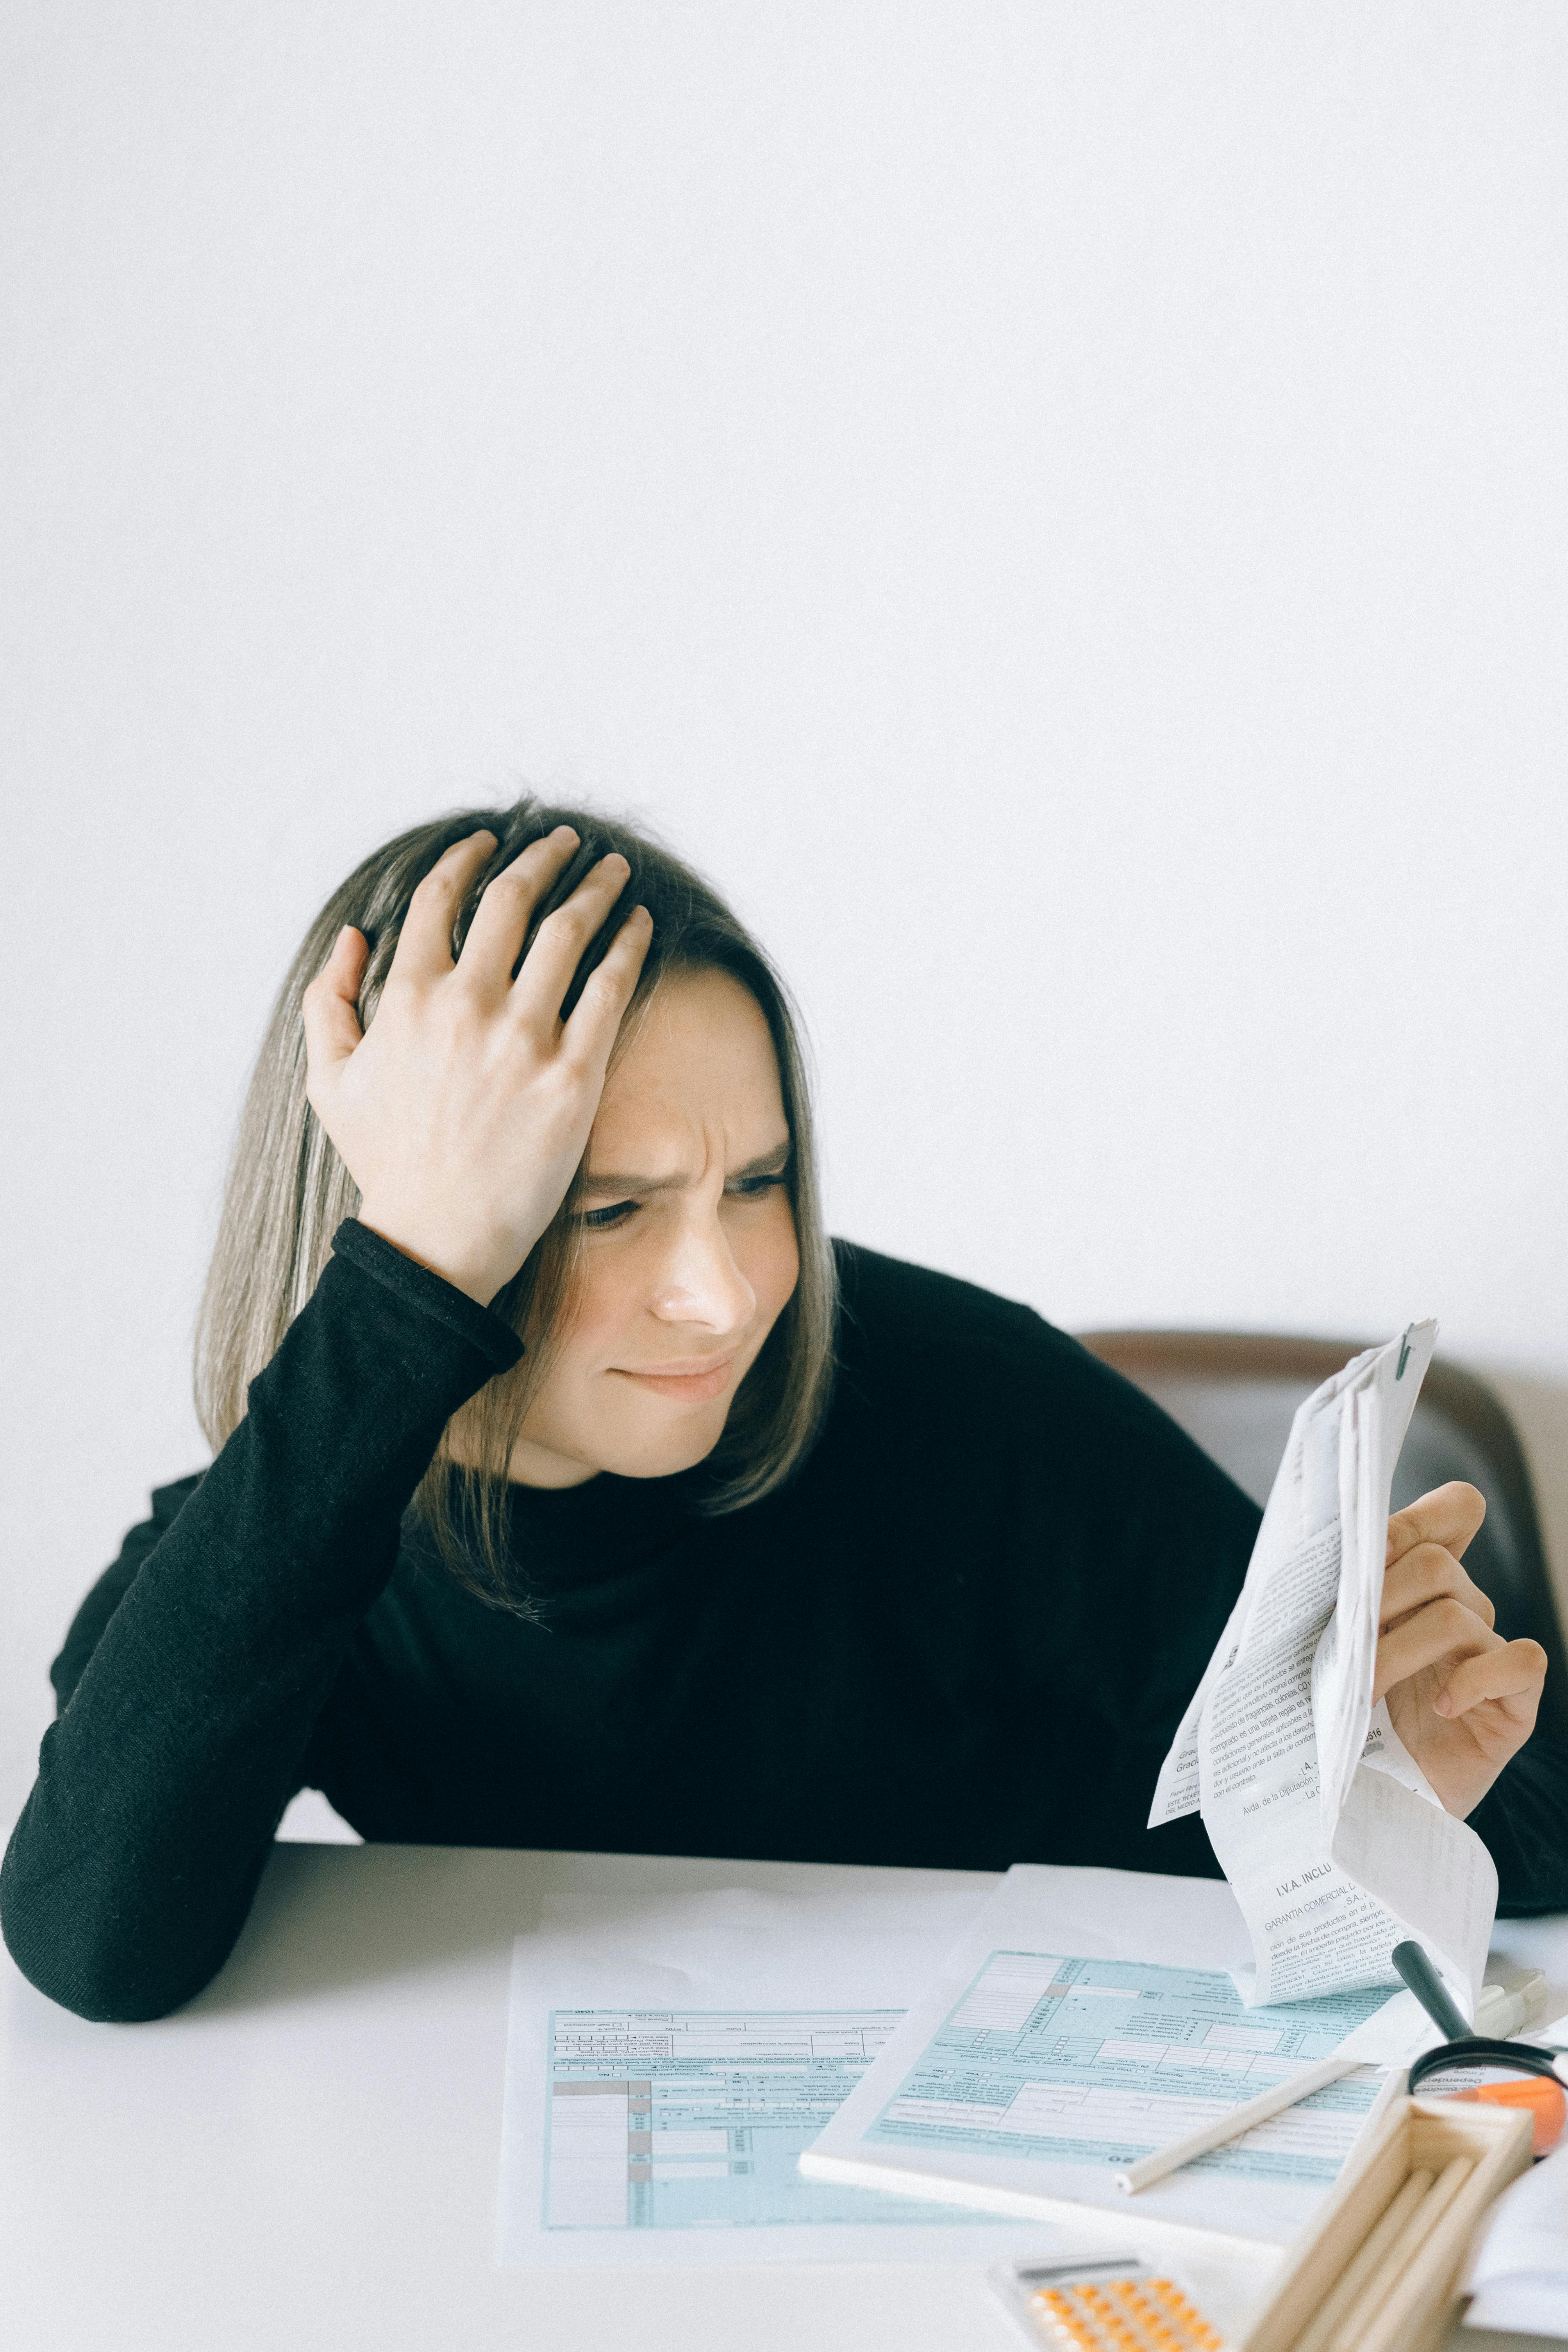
x=708 y=1379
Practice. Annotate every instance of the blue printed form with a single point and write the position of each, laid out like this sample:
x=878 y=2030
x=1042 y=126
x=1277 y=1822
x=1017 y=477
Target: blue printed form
x=673 y=2050
x=1098 y=2061
x=679 y=2120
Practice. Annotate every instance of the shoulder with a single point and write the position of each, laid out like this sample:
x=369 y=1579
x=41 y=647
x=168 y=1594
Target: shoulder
x=168 y=1502
x=928 y=1352
x=902 y=1317
x=884 y=1296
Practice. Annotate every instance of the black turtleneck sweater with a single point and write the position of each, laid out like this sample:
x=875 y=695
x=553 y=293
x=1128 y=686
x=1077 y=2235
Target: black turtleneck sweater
x=961 y=1635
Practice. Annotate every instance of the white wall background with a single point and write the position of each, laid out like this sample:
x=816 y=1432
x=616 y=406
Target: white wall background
x=1061 y=508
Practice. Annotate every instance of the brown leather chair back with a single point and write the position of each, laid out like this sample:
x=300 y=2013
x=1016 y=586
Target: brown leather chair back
x=1237 y=1391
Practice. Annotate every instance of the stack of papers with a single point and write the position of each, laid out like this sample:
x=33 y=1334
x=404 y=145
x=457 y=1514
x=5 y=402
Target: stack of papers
x=668 y=2059
x=1050 y=2053
x=1335 y=1843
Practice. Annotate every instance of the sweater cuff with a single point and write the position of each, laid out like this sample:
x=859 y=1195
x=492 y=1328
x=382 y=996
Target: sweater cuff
x=421 y=1288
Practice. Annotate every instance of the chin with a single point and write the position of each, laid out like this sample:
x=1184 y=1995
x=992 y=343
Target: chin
x=664 y=1455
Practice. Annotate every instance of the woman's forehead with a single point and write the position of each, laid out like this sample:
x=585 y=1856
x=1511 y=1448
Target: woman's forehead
x=701 y=1057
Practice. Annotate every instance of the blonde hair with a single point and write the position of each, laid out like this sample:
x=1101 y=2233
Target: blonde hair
x=288 y=1191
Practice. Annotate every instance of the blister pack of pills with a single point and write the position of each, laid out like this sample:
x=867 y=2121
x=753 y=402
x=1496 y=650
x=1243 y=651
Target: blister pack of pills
x=1121 y=2306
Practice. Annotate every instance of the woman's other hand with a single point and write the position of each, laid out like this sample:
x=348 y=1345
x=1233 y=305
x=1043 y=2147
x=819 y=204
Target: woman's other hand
x=1461 y=1698
x=463 y=1112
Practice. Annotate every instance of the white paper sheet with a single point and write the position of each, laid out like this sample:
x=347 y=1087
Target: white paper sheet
x=1517 y=2269
x=665 y=2065
x=1076 y=2114
x=1333 y=1840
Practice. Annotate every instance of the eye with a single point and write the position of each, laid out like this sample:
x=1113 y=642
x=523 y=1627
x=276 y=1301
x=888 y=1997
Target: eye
x=597 y=1220
x=619 y=1213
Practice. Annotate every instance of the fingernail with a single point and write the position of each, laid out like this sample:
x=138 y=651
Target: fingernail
x=1443 y=1703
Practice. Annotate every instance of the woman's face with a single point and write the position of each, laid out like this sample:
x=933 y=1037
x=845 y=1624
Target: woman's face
x=689 y=1244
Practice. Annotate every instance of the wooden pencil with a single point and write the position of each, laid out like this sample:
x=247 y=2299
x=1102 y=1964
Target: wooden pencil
x=1226 y=2127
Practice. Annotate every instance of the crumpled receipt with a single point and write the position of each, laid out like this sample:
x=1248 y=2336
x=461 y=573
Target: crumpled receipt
x=1335 y=1843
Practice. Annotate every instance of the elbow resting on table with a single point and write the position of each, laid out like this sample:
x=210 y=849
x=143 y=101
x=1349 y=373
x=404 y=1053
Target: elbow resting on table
x=100 y=1986
x=89 y=1966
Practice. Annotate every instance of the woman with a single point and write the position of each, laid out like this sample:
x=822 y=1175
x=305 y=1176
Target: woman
x=572 y=1490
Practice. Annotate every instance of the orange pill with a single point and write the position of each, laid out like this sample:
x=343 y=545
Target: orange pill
x=1535 y=2093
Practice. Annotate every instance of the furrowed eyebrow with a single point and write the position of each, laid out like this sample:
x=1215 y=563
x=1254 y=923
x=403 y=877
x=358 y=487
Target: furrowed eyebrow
x=771 y=1163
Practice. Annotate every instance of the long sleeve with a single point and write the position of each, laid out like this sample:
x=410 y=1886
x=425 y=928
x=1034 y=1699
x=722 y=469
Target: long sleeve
x=197 y=1668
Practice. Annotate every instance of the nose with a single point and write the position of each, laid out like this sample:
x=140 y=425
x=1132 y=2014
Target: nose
x=700 y=1281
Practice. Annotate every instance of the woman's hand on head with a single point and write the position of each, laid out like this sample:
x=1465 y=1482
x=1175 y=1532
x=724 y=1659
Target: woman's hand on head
x=463 y=1111
x=1461 y=1698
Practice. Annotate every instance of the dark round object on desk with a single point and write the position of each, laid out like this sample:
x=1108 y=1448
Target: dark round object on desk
x=1531 y=2082
x=1476 y=2050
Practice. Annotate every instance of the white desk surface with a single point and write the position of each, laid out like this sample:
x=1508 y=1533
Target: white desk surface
x=306 y=2156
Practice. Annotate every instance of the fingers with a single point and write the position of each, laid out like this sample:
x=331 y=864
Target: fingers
x=1514 y=1673
x=1448 y=1515
x=330 y=1007
x=607 y=992
x=1430 y=1573
x=1444 y=1629
x=502 y=916
x=500 y=921
x=425 y=944
x=561 y=938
